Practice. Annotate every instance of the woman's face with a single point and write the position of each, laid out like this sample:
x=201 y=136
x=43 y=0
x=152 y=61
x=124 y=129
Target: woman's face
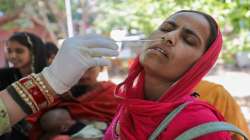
x=185 y=36
x=18 y=54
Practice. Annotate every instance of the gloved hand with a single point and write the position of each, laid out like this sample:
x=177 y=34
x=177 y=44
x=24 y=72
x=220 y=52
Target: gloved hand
x=76 y=55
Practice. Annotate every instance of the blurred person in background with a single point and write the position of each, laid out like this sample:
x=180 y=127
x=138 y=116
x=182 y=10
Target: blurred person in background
x=26 y=52
x=21 y=22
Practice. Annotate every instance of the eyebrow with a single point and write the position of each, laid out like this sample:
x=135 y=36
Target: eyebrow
x=172 y=23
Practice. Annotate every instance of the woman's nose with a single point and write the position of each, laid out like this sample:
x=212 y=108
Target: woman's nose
x=169 y=39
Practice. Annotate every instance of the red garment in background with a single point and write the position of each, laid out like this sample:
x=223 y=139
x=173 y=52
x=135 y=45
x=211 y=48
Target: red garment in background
x=99 y=105
x=96 y=105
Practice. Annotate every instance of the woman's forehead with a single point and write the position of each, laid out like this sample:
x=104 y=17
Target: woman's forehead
x=15 y=44
x=190 y=18
x=190 y=14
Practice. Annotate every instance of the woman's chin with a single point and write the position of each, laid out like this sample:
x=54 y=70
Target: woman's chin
x=150 y=64
x=152 y=60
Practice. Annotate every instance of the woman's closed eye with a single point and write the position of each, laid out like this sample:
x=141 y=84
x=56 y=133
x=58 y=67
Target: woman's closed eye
x=190 y=37
x=190 y=40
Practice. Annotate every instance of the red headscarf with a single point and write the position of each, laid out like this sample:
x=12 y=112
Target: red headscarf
x=138 y=118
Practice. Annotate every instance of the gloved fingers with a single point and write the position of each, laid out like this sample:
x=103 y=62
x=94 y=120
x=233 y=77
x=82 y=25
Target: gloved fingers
x=95 y=52
x=95 y=36
x=90 y=41
x=91 y=36
x=100 y=61
x=100 y=43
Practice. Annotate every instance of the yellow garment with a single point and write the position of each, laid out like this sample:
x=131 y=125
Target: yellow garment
x=220 y=98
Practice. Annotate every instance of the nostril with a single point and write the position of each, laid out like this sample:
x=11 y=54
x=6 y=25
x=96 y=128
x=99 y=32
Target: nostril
x=166 y=41
x=169 y=42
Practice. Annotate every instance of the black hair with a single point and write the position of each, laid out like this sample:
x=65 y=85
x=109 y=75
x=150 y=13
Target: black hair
x=51 y=49
x=212 y=24
x=36 y=47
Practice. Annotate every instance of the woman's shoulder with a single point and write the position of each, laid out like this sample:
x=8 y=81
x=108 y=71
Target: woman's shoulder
x=194 y=114
x=202 y=112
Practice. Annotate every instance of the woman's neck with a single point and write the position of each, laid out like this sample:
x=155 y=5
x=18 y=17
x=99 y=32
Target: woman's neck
x=155 y=87
x=25 y=71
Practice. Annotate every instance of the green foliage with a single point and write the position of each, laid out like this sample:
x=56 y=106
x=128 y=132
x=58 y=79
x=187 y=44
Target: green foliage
x=60 y=4
x=233 y=17
x=8 y=5
x=145 y=16
x=238 y=43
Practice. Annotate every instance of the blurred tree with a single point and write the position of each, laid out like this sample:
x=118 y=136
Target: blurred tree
x=23 y=13
x=145 y=15
x=8 y=5
x=234 y=15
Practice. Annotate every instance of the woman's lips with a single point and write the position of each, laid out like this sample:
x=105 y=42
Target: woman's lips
x=162 y=51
